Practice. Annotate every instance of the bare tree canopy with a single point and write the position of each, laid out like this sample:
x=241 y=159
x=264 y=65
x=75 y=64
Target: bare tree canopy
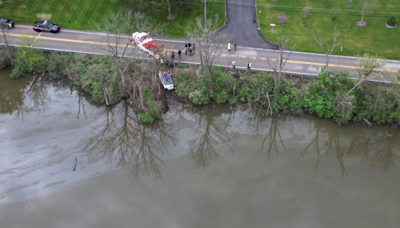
x=366 y=5
x=329 y=51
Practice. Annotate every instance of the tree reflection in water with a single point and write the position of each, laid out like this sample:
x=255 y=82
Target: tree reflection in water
x=375 y=145
x=11 y=94
x=38 y=98
x=130 y=143
x=257 y=120
x=212 y=135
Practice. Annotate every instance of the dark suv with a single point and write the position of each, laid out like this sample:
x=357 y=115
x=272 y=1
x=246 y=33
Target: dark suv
x=45 y=26
x=6 y=23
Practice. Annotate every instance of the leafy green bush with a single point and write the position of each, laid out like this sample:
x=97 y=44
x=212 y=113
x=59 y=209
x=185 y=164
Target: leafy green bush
x=27 y=60
x=323 y=97
x=392 y=21
x=153 y=109
x=223 y=85
x=57 y=64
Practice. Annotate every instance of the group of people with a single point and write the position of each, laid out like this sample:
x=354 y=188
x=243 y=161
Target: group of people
x=234 y=62
x=188 y=48
x=191 y=49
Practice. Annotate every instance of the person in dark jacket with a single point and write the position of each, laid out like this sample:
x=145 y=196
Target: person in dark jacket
x=194 y=48
x=186 y=48
x=179 y=53
x=173 y=55
x=235 y=46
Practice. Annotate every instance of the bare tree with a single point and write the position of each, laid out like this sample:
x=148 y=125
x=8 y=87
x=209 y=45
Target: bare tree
x=207 y=42
x=114 y=41
x=329 y=51
x=277 y=66
x=305 y=11
x=6 y=48
x=368 y=67
x=366 y=5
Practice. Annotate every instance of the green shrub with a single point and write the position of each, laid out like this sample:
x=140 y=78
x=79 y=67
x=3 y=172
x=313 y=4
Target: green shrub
x=152 y=109
x=27 y=60
x=322 y=97
x=392 y=21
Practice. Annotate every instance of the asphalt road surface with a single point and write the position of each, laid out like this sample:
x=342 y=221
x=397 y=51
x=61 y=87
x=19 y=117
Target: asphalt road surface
x=87 y=42
x=241 y=26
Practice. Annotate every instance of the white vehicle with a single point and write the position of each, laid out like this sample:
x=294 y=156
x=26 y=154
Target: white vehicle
x=166 y=80
x=146 y=44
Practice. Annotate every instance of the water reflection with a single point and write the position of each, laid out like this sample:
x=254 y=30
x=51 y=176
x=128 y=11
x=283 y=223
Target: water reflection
x=11 y=92
x=378 y=146
x=211 y=135
x=267 y=129
x=127 y=142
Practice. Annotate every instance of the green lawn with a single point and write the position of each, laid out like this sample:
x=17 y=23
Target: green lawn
x=375 y=38
x=83 y=14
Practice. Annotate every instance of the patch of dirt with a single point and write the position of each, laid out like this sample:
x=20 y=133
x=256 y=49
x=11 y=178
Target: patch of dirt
x=361 y=23
x=137 y=15
x=44 y=16
x=171 y=18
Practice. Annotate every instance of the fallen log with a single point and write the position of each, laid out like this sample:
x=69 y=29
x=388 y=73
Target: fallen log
x=32 y=83
x=76 y=162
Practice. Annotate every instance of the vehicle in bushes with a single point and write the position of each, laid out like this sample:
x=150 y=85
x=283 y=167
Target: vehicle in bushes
x=45 y=26
x=166 y=80
x=6 y=23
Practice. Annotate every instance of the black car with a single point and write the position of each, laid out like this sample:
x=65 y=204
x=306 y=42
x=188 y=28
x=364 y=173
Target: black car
x=6 y=23
x=45 y=26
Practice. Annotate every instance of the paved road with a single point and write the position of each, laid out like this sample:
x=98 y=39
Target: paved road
x=299 y=62
x=241 y=27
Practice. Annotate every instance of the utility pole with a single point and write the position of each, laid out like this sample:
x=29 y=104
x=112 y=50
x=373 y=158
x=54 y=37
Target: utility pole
x=205 y=14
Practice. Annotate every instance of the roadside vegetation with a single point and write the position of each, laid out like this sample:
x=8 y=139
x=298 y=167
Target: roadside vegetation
x=78 y=14
x=303 y=19
x=118 y=75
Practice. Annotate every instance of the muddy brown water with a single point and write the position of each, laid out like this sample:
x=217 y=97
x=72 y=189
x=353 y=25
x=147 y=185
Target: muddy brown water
x=213 y=166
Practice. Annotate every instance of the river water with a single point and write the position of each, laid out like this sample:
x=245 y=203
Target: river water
x=66 y=161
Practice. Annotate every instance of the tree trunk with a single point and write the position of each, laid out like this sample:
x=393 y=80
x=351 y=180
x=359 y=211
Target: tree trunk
x=141 y=97
x=140 y=10
x=362 y=16
x=327 y=64
x=7 y=46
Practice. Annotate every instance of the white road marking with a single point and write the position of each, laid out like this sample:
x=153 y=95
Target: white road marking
x=241 y=47
x=36 y=39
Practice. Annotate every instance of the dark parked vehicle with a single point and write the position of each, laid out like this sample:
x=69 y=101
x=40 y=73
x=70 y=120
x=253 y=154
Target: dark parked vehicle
x=6 y=23
x=45 y=26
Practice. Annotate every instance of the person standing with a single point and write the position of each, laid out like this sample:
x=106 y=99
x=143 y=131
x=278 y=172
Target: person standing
x=189 y=45
x=186 y=48
x=190 y=51
x=249 y=65
x=233 y=64
x=194 y=48
x=179 y=53
x=173 y=56
x=235 y=46
x=229 y=46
